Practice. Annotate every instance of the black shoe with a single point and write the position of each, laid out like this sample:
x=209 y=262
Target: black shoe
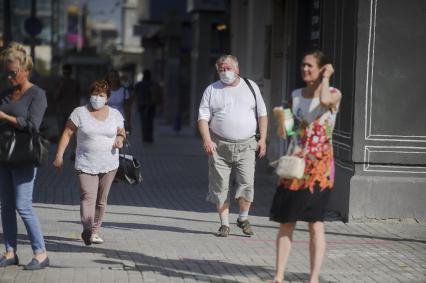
x=86 y=235
x=9 y=261
x=245 y=226
x=35 y=264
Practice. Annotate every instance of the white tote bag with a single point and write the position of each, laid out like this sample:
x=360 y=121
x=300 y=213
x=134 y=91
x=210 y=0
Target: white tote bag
x=290 y=166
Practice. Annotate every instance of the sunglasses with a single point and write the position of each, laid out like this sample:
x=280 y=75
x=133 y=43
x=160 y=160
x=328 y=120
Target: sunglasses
x=12 y=74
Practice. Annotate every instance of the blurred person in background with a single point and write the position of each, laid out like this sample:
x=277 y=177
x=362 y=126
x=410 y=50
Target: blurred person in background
x=126 y=83
x=120 y=97
x=149 y=95
x=67 y=96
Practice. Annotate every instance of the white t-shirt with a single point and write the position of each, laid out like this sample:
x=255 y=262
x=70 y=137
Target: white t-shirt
x=95 y=138
x=116 y=100
x=309 y=109
x=230 y=110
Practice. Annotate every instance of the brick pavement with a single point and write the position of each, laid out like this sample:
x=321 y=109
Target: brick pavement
x=162 y=231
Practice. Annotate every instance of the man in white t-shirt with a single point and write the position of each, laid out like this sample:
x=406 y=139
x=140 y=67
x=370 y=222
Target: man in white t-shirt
x=227 y=124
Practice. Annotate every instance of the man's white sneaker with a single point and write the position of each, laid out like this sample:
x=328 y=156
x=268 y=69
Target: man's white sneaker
x=95 y=239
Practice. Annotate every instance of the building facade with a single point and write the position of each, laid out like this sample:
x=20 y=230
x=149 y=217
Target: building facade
x=129 y=58
x=165 y=30
x=380 y=135
x=210 y=37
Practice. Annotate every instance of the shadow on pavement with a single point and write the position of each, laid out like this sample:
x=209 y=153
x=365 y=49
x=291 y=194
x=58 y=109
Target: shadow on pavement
x=202 y=270
x=346 y=240
x=133 y=226
x=175 y=173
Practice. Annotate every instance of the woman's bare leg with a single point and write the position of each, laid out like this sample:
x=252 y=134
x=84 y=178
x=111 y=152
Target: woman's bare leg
x=284 y=240
x=316 y=249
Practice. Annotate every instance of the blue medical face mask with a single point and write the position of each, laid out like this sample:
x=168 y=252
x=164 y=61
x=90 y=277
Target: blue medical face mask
x=97 y=101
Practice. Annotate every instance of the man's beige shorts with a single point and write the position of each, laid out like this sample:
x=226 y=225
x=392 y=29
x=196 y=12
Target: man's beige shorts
x=238 y=156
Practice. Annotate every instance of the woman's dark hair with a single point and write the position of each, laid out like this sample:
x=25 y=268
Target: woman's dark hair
x=67 y=68
x=147 y=75
x=319 y=55
x=100 y=86
x=111 y=72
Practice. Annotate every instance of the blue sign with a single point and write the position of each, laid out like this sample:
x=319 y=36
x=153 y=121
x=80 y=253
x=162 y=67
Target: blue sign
x=33 y=26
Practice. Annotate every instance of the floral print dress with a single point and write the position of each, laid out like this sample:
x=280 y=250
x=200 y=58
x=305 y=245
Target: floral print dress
x=306 y=198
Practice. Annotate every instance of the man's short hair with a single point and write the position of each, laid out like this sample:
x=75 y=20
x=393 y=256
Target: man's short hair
x=146 y=74
x=225 y=58
x=66 y=68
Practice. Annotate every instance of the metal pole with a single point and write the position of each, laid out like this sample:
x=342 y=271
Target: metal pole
x=7 y=36
x=33 y=15
x=52 y=24
x=79 y=26
x=54 y=27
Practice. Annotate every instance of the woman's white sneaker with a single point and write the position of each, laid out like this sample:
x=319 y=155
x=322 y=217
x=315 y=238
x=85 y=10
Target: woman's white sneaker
x=95 y=239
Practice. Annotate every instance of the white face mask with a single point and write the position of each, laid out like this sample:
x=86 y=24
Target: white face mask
x=227 y=77
x=97 y=101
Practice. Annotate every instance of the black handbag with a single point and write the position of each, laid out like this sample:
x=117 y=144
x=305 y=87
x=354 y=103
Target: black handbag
x=23 y=148
x=129 y=169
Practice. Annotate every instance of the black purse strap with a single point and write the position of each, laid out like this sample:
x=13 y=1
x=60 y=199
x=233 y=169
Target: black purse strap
x=255 y=104
x=127 y=144
x=129 y=149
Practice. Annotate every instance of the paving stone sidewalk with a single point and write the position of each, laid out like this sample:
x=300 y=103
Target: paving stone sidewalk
x=163 y=231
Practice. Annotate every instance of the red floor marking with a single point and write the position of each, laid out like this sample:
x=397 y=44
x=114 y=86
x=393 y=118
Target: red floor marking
x=329 y=242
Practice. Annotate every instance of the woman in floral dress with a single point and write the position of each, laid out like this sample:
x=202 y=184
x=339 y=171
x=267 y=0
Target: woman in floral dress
x=315 y=107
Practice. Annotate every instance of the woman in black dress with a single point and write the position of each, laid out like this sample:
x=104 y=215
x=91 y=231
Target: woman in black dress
x=314 y=107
